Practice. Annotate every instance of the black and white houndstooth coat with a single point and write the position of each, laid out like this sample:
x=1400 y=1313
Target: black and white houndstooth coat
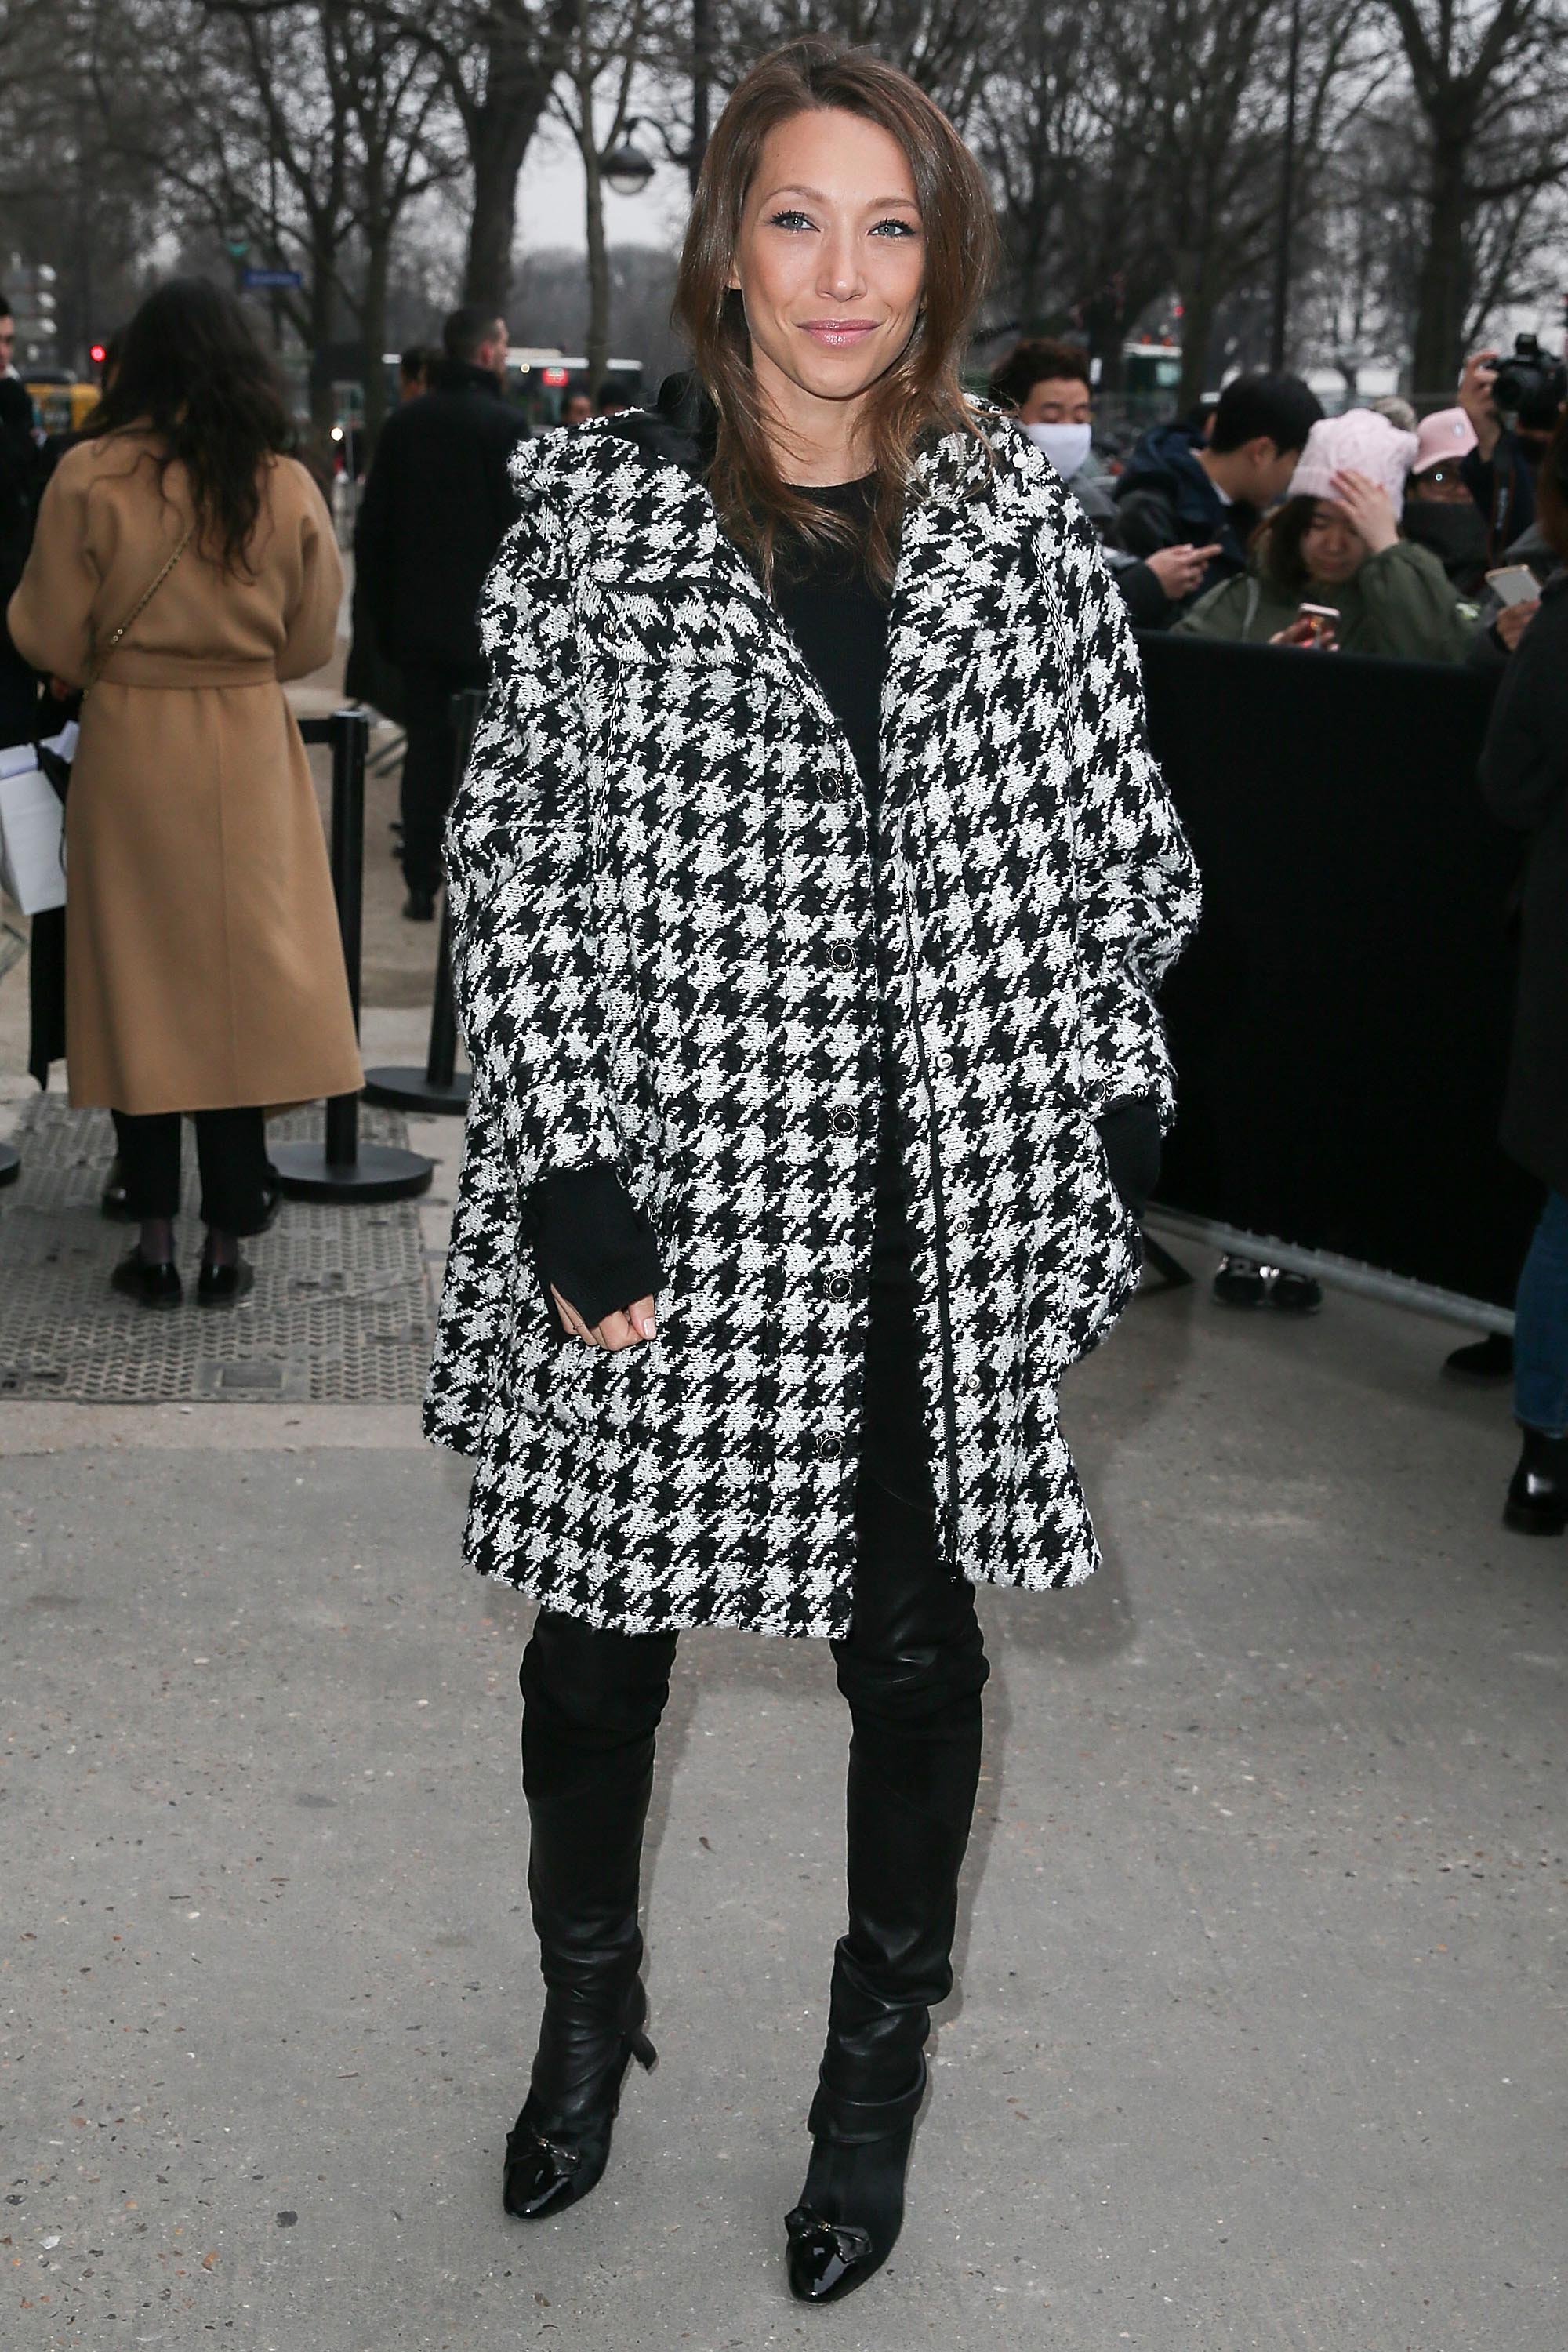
x=666 y=956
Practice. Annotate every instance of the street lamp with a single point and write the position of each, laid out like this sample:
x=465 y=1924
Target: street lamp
x=625 y=168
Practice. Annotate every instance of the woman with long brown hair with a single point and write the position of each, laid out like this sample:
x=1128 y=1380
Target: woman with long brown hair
x=185 y=566
x=809 y=884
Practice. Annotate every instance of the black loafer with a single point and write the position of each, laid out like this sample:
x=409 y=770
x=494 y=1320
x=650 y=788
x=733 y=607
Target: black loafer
x=1240 y=1283
x=419 y=907
x=150 y=1282
x=224 y=1286
x=1295 y=1293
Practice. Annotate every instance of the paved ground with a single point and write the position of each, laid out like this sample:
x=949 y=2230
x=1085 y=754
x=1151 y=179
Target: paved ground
x=1258 y=2043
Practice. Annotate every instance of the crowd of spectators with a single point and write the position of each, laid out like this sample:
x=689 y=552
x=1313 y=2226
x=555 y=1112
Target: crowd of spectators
x=1265 y=521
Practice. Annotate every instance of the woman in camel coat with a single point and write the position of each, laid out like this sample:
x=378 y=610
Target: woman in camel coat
x=203 y=968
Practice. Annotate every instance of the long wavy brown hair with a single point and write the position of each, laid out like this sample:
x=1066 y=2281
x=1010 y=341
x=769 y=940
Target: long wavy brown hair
x=921 y=394
x=193 y=375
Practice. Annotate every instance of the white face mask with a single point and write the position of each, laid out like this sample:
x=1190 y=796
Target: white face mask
x=1067 y=445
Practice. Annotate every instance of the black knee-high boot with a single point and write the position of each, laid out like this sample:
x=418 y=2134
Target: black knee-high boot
x=912 y=1671
x=592 y=1705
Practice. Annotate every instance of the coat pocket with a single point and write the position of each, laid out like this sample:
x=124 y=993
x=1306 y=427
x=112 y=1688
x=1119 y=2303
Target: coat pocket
x=592 y=1393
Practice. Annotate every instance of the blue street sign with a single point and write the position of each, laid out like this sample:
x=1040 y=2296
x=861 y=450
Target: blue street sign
x=255 y=281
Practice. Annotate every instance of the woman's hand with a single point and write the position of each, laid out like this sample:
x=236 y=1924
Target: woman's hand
x=1369 y=509
x=1475 y=381
x=1514 y=619
x=1304 y=631
x=621 y=1330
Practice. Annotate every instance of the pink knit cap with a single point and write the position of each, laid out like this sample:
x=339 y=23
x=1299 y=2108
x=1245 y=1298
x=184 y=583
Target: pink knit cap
x=1359 y=441
x=1442 y=439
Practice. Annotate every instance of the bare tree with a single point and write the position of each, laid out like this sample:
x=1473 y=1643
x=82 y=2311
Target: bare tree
x=498 y=61
x=1487 y=76
x=610 y=43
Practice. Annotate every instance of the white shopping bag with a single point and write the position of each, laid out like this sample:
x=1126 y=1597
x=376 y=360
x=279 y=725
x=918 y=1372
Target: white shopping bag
x=32 y=832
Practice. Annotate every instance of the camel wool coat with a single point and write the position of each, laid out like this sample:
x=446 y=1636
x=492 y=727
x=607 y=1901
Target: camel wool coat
x=204 y=967
x=667 y=934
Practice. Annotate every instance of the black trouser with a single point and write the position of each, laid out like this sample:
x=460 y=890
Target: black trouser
x=231 y=1150
x=430 y=766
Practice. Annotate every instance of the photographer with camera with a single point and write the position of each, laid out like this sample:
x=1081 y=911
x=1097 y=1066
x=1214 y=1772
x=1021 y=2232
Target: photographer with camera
x=1513 y=404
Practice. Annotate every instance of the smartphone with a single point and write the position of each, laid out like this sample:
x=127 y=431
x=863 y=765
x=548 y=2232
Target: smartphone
x=1325 y=621
x=1516 y=583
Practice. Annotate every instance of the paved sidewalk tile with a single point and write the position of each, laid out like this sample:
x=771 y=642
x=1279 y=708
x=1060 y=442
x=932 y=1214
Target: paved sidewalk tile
x=1258 y=2043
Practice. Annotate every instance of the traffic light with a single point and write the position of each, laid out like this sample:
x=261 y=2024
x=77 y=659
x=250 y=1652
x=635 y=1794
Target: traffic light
x=97 y=354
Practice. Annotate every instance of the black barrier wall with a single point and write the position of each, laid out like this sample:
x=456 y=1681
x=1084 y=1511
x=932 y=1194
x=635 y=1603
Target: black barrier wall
x=1341 y=1023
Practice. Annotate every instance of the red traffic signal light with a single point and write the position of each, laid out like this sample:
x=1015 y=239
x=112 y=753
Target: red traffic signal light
x=97 y=354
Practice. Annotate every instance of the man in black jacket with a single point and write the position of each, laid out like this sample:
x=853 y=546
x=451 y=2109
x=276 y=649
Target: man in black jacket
x=435 y=507
x=1180 y=490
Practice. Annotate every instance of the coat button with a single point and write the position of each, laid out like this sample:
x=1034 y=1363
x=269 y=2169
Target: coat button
x=843 y=954
x=838 y=1287
x=828 y=1449
x=843 y=1122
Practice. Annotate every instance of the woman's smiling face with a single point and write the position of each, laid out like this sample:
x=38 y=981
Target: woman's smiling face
x=830 y=257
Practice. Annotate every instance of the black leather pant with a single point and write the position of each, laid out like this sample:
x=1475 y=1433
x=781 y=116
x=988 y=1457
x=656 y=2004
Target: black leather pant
x=912 y=1668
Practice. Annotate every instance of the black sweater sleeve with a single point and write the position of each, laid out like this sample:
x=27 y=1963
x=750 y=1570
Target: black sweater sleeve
x=1129 y=1131
x=593 y=1244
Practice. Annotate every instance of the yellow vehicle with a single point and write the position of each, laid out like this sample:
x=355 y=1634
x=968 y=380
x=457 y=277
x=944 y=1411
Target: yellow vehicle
x=63 y=404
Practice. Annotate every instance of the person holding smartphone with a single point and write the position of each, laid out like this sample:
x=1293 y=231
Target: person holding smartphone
x=1329 y=568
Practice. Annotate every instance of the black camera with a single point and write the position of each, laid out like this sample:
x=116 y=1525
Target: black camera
x=1530 y=388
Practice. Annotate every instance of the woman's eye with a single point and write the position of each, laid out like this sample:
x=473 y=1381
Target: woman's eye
x=895 y=228
x=794 y=220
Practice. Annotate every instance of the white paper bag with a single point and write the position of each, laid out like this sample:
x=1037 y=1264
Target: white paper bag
x=32 y=832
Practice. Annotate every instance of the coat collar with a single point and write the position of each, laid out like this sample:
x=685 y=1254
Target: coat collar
x=631 y=493
x=635 y=483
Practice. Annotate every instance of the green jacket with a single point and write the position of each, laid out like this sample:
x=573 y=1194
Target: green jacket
x=1399 y=605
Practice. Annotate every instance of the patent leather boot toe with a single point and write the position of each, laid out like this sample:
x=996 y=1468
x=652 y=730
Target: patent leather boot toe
x=850 y=2213
x=1537 y=1501
x=558 y=2149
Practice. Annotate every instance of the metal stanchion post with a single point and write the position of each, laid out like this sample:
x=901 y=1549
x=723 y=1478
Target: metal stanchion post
x=436 y=1087
x=342 y=1168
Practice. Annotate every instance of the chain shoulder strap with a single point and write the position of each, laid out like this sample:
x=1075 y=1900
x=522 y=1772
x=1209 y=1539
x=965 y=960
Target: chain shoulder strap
x=96 y=672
